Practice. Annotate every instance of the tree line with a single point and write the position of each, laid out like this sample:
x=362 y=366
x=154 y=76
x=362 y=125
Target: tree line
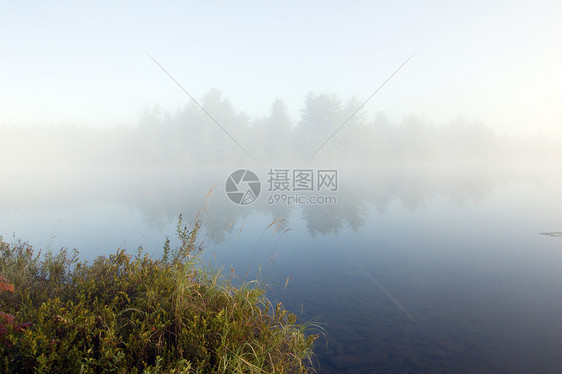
x=189 y=137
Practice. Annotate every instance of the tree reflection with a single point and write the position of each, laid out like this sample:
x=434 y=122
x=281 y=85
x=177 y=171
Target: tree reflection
x=162 y=195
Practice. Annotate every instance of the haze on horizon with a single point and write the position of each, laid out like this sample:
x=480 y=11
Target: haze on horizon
x=85 y=64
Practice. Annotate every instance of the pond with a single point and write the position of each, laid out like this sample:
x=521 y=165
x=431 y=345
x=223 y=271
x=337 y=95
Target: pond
x=409 y=269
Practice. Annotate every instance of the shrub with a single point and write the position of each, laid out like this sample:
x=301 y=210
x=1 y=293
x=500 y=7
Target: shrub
x=126 y=313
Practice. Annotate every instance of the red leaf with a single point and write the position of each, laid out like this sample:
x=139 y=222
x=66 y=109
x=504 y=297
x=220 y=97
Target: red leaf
x=5 y=285
x=7 y=317
x=22 y=326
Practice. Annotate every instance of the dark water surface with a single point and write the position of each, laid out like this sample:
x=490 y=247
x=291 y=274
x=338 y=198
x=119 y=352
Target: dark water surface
x=411 y=271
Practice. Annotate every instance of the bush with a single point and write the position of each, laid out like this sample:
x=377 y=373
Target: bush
x=128 y=313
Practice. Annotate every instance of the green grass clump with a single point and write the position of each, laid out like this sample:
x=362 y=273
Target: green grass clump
x=126 y=314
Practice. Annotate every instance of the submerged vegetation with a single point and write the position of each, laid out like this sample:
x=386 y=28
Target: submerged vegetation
x=132 y=313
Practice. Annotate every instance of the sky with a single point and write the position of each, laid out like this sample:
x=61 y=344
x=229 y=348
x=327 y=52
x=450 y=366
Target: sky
x=86 y=63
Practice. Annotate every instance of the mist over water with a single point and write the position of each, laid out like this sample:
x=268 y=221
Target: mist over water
x=430 y=256
x=166 y=164
x=459 y=248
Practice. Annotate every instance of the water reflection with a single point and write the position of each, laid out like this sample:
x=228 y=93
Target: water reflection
x=160 y=195
x=459 y=248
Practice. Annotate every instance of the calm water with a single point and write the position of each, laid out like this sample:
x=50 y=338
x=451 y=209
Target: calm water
x=411 y=271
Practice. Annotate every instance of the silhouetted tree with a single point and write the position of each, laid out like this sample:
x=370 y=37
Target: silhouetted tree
x=278 y=133
x=352 y=142
x=319 y=118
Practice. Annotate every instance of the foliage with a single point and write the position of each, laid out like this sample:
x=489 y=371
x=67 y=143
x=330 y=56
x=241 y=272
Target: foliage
x=5 y=318
x=126 y=313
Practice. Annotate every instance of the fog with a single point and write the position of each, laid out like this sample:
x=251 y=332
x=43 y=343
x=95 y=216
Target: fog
x=86 y=65
x=439 y=124
x=96 y=100
x=328 y=132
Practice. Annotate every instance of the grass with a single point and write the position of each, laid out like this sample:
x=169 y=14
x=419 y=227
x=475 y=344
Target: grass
x=132 y=313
